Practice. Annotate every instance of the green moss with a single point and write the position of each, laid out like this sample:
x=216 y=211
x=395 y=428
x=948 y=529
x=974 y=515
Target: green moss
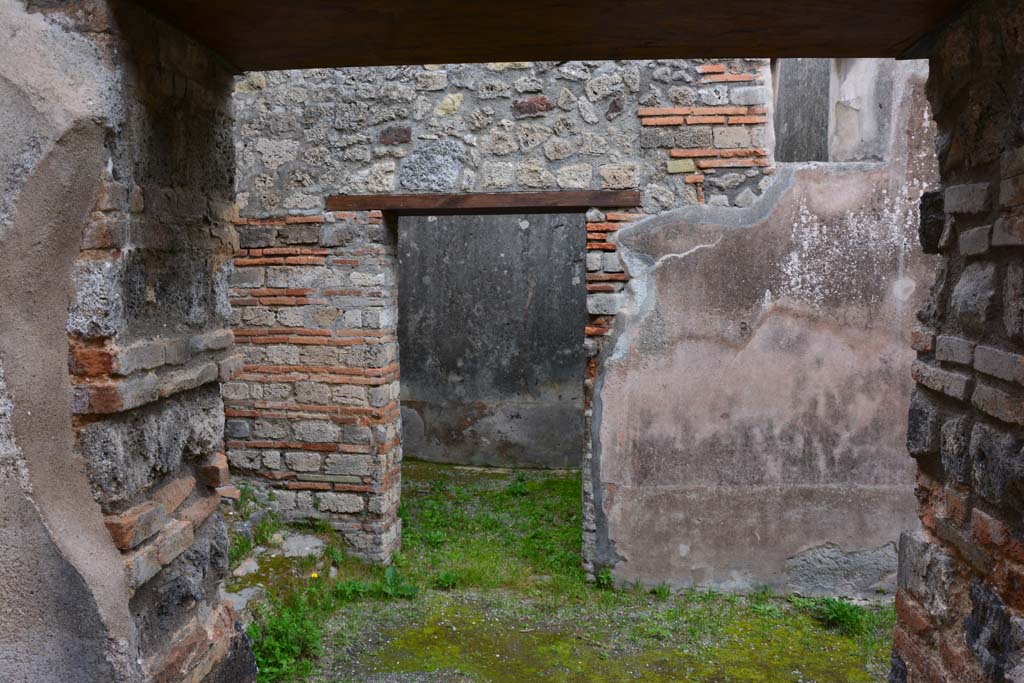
x=499 y=647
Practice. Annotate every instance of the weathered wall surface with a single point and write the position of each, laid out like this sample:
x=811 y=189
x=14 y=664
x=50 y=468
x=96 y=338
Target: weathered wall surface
x=510 y=126
x=751 y=421
x=961 y=602
x=491 y=322
x=111 y=549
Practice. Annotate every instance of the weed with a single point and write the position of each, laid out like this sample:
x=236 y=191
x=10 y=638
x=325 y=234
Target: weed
x=605 y=579
x=662 y=591
x=519 y=486
x=446 y=580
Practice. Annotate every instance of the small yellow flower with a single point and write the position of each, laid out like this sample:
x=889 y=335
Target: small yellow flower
x=314 y=575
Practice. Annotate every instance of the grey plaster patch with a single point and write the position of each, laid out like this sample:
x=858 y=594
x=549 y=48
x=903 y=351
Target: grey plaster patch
x=830 y=570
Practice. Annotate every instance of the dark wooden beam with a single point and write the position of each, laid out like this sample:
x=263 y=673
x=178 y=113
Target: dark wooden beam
x=486 y=202
x=271 y=34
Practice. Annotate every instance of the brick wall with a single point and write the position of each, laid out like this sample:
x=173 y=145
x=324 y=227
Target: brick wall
x=960 y=602
x=314 y=415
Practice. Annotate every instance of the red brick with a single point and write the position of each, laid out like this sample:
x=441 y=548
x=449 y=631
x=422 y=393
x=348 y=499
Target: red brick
x=664 y=121
x=696 y=120
x=600 y=246
x=692 y=153
x=197 y=511
x=230 y=492
x=706 y=111
x=663 y=111
x=595 y=331
x=277 y=261
x=215 y=472
x=711 y=69
x=304 y=219
x=601 y=287
x=131 y=528
x=747 y=120
x=309 y=486
x=621 y=216
x=727 y=78
x=696 y=178
x=174 y=493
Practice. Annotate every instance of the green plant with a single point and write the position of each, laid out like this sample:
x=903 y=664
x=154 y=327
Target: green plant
x=846 y=617
x=604 y=579
x=394 y=586
x=662 y=591
x=446 y=580
x=519 y=486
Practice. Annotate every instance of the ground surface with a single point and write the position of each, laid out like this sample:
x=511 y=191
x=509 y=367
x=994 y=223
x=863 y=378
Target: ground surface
x=488 y=590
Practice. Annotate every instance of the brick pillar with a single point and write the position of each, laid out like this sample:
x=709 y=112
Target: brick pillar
x=960 y=603
x=314 y=416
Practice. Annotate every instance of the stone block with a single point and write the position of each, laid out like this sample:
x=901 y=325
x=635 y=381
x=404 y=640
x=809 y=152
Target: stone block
x=1011 y=192
x=973 y=296
x=238 y=428
x=673 y=166
x=933 y=221
x=955 y=437
x=621 y=176
x=605 y=304
x=343 y=503
x=967 y=199
x=729 y=137
x=998 y=468
x=954 y=384
x=1008 y=231
x=316 y=431
x=999 y=404
x=975 y=241
x=145 y=354
x=926 y=572
x=993 y=633
x=1001 y=364
x=750 y=95
x=923 y=423
x=954 y=350
x=303 y=461
x=256 y=237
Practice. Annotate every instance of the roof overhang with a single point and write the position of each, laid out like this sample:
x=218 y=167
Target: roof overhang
x=271 y=34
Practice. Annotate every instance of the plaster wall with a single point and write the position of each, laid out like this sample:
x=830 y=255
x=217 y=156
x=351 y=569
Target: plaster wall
x=492 y=311
x=750 y=423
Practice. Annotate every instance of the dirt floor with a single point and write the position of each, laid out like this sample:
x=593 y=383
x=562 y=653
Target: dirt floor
x=488 y=589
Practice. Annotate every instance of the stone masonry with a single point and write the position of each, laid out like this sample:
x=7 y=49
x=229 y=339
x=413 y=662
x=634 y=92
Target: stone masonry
x=314 y=415
x=961 y=578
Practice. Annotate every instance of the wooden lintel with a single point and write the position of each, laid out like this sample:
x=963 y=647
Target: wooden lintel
x=571 y=201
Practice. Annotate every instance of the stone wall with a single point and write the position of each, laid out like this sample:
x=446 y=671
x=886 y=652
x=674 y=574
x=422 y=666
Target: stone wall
x=961 y=602
x=117 y=186
x=511 y=126
x=491 y=324
x=749 y=423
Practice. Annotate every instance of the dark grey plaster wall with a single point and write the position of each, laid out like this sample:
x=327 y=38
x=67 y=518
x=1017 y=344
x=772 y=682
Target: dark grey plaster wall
x=491 y=321
x=801 y=109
